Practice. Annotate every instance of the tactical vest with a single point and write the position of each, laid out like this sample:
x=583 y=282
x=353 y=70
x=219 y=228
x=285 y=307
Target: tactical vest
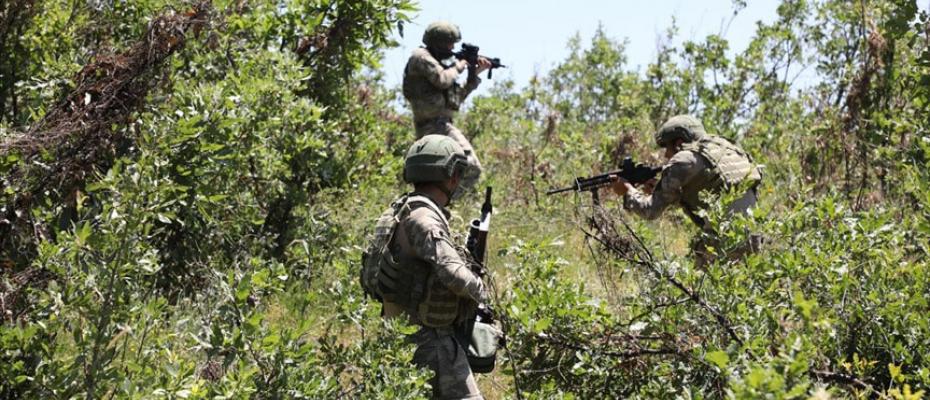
x=730 y=162
x=730 y=166
x=405 y=283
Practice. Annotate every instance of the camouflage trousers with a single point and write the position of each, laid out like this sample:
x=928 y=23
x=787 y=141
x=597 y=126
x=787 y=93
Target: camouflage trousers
x=443 y=126
x=438 y=350
x=703 y=255
x=706 y=248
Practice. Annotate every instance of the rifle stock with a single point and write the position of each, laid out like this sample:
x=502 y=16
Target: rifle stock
x=477 y=242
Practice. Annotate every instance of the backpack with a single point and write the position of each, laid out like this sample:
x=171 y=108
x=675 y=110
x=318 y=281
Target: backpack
x=378 y=247
x=381 y=276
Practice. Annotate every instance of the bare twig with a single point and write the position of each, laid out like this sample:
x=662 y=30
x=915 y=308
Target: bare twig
x=633 y=353
x=640 y=255
x=844 y=379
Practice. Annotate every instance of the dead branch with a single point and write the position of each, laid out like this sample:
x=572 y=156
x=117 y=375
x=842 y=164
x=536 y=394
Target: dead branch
x=632 y=249
x=848 y=380
x=14 y=288
x=634 y=351
x=82 y=134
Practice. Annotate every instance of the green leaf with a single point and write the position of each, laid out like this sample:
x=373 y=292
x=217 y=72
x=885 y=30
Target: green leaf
x=163 y=218
x=408 y=329
x=806 y=306
x=542 y=324
x=83 y=233
x=718 y=358
x=271 y=340
x=895 y=372
x=244 y=289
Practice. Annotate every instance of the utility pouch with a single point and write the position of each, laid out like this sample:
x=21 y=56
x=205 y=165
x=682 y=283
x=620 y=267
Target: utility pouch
x=481 y=341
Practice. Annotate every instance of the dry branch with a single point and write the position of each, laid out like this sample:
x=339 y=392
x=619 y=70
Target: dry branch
x=83 y=133
x=848 y=380
x=630 y=247
x=106 y=93
x=13 y=290
x=635 y=347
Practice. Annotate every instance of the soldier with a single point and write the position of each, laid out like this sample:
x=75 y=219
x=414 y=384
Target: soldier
x=697 y=162
x=423 y=276
x=431 y=87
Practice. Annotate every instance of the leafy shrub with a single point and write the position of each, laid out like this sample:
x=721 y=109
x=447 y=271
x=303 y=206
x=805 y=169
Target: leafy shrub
x=214 y=254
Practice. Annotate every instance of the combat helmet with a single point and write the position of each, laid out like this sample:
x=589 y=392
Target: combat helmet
x=683 y=126
x=433 y=158
x=441 y=34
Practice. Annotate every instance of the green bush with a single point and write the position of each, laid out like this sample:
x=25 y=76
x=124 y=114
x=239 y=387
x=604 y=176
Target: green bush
x=212 y=251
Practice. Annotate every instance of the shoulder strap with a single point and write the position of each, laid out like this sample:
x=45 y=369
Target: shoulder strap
x=398 y=207
x=420 y=199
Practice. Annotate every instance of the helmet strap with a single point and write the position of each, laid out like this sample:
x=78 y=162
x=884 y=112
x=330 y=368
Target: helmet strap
x=450 y=193
x=439 y=54
x=445 y=190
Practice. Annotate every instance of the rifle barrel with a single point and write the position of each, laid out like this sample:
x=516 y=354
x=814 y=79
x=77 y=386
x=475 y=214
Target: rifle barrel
x=560 y=190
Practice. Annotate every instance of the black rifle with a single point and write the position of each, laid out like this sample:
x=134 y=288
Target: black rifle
x=477 y=242
x=632 y=172
x=469 y=52
x=477 y=245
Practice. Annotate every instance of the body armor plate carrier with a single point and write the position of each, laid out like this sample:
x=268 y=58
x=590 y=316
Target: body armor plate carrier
x=389 y=275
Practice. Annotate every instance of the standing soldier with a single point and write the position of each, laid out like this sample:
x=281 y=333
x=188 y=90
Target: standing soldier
x=421 y=274
x=697 y=162
x=431 y=87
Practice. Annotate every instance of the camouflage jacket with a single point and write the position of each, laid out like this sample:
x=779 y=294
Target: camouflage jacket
x=432 y=88
x=423 y=237
x=684 y=177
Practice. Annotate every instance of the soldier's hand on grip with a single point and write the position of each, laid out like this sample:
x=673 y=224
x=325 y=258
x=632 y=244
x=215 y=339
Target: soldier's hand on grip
x=483 y=64
x=619 y=185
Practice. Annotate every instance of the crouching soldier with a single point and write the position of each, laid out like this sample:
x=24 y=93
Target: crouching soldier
x=697 y=162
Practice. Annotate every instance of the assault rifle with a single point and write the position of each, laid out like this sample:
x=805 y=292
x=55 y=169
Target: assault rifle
x=469 y=52
x=477 y=245
x=632 y=172
x=477 y=242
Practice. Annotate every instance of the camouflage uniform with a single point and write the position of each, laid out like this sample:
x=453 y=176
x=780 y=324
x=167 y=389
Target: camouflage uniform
x=452 y=292
x=684 y=177
x=688 y=173
x=435 y=96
